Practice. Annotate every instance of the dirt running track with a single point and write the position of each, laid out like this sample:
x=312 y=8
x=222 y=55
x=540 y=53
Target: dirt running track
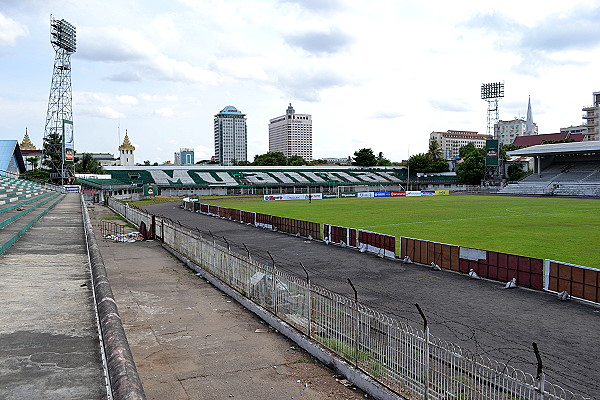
x=476 y=314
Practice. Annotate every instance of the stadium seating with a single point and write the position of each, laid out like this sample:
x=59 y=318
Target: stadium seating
x=574 y=178
x=22 y=203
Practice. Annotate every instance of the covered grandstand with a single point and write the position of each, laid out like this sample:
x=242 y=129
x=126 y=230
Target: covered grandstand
x=133 y=182
x=565 y=169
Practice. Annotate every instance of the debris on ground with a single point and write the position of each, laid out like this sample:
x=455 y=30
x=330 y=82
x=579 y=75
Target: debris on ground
x=131 y=237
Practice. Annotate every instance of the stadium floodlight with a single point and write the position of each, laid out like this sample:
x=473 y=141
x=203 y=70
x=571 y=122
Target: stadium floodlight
x=63 y=35
x=492 y=90
x=58 y=133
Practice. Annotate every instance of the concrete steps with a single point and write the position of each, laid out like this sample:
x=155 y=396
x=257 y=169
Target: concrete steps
x=22 y=204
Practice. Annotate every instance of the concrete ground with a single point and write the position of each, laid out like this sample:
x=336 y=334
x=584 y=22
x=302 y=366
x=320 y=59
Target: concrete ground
x=189 y=341
x=476 y=314
x=49 y=346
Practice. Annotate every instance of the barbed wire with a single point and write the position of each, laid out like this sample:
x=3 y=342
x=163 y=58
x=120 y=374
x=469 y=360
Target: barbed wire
x=468 y=334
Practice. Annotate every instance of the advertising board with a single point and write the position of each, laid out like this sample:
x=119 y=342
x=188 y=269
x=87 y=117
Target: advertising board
x=398 y=194
x=301 y=196
x=381 y=194
x=366 y=194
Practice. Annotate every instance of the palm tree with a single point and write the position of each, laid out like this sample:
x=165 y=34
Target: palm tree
x=435 y=150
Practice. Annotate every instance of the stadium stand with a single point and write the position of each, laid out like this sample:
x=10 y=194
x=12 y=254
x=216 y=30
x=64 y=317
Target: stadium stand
x=128 y=182
x=22 y=203
x=565 y=169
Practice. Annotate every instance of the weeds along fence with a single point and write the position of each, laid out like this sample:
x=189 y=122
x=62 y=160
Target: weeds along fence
x=408 y=361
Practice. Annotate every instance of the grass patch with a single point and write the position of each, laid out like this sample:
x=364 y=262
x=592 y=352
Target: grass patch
x=154 y=200
x=561 y=229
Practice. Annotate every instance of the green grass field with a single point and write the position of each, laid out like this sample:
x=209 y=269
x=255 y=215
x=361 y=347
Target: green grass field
x=561 y=229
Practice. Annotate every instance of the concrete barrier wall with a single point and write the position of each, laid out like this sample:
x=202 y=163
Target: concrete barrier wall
x=579 y=281
x=493 y=265
x=125 y=382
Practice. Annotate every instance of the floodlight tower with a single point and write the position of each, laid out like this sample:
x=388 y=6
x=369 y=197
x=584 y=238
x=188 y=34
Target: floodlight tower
x=58 y=154
x=492 y=93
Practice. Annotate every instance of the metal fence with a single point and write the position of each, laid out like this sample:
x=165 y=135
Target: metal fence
x=409 y=361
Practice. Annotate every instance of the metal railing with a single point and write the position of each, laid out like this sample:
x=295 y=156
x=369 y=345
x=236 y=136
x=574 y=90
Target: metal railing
x=409 y=361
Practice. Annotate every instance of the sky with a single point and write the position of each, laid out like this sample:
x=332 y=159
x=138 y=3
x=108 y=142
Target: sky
x=381 y=74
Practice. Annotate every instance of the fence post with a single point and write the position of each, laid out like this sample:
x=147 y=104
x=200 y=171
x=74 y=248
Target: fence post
x=309 y=301
x=540 y=377
x=274 y=289
x=426 y=355
x=356 y=325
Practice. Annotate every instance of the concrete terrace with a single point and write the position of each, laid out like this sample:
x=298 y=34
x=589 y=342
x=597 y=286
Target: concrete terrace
x=49 y=347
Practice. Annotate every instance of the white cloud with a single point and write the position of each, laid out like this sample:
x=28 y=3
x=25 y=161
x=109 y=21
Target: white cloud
x=164 y=112
x=10 y=31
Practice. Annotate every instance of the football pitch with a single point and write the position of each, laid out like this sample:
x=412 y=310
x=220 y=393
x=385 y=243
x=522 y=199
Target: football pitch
x=560 y=229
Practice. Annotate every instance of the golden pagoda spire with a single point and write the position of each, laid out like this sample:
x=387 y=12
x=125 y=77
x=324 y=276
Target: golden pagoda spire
x=26 y=143
x=126 y=143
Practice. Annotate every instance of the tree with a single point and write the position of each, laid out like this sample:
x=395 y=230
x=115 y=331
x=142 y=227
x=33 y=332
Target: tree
x=33 y=161
x=364 y=158
x=296 y=160
x=271 y=158
x=382 y=161
x=420 y=163
x=465 y=150
x=424 y=163
x=52 y=152
x=471 y=170
x=515 y=172
x=147 y=162
x=435 y=151
x=88 y=165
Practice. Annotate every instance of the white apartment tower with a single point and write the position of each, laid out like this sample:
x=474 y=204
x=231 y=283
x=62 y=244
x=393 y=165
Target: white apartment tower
x=451 y=141
x=231 y=136
x=291 y=134
x=592 y=119
x=507 y=131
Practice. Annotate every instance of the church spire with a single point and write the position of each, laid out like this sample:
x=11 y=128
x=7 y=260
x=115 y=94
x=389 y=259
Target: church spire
x=26 y=143
x=529 y=122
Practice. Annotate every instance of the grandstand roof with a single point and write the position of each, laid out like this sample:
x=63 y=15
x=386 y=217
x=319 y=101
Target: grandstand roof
x=11 y=159
x=558 y=148
x=532 y=140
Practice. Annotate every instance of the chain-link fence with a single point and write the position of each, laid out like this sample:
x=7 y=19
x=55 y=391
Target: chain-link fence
x=409 y=361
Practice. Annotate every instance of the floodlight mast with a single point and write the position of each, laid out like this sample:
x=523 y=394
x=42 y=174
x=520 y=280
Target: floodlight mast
x=58 y=153
x=492 y=93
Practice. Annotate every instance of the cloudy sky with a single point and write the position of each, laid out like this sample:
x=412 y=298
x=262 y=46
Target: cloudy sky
x=381 y=73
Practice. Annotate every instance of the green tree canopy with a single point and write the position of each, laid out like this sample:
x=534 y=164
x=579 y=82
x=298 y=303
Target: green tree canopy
x=364 y=158
x=515 y=172
x=88 y=165
x=465 y=150
x=435 y=151
x=424 y=163
x=296 y=160
x=271 y=158
x=471 y=170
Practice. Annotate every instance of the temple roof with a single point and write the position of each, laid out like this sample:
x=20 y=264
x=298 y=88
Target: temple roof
x=26 y=143
x=126 y=143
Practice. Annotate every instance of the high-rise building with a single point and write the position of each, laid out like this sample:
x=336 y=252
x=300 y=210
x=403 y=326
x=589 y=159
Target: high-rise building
x=231 y=142
x=507 y=131
x=451 y=141
x=184 y=156
x=592 y=118
x=291 y=134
